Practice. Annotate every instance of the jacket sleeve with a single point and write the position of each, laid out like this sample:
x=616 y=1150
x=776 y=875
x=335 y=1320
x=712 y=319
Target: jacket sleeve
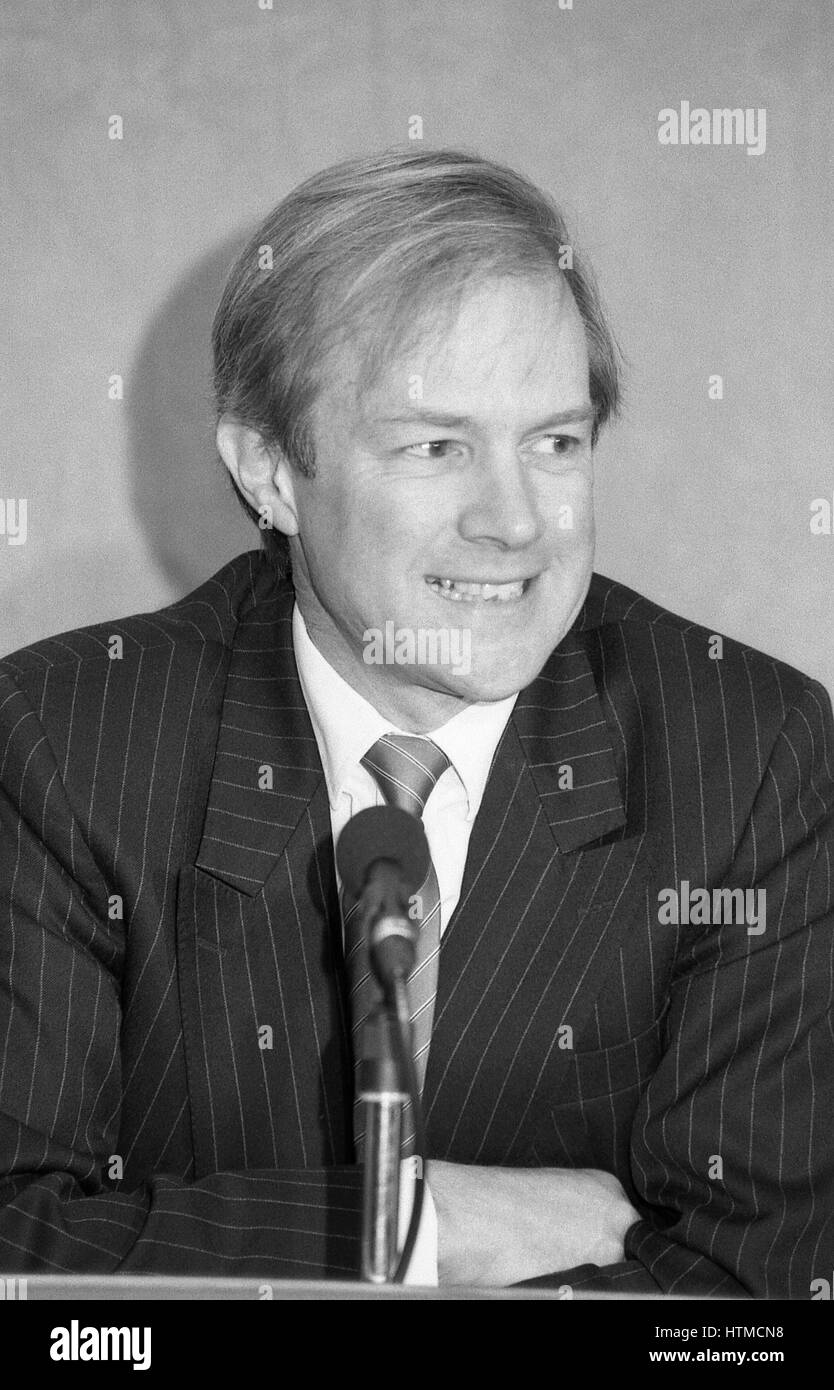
x=731 y=1146
x=60 y=1079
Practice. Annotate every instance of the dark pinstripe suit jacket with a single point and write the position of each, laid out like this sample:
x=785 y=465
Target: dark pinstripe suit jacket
x=164 y=907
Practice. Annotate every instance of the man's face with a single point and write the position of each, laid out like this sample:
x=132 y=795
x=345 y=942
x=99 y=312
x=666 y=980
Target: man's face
x=466 y=469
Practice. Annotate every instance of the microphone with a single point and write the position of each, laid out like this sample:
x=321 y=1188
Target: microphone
x=383 y=858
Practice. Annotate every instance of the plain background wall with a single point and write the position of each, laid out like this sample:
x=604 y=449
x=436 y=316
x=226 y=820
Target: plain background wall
x=710 y=261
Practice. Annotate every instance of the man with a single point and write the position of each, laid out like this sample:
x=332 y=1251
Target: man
x=628 y=1073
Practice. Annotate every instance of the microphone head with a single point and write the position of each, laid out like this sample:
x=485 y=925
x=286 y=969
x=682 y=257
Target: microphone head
x=383 y=832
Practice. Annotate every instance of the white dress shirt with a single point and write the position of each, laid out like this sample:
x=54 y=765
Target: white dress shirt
x=346 y=726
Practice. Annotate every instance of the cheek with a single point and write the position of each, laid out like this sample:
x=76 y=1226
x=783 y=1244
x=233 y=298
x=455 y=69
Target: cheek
x=393 y=527
x=337 y=527
x=358 y=545
x=368 y=507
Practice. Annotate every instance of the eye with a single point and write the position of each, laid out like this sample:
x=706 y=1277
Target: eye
x=555 y=444
x=430 y=448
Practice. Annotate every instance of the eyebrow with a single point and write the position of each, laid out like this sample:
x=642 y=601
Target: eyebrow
x=578 y=415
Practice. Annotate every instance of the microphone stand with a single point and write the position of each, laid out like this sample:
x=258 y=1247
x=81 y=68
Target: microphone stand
x=382 y=852
x=381 y=1090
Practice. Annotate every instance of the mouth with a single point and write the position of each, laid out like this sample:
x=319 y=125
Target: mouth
x=462 y=591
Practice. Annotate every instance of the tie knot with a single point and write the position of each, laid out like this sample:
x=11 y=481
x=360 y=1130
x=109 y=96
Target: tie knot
x=405 y=767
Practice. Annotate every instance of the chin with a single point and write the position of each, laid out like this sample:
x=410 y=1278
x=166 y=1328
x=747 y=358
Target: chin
x=482 y=687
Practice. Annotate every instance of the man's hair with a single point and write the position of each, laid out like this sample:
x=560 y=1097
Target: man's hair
x=366 y=252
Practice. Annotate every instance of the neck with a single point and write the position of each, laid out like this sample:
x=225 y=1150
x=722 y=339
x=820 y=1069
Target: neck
x=416 y=709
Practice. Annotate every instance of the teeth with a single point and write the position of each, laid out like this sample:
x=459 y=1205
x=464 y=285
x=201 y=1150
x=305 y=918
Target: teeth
x=461 y=592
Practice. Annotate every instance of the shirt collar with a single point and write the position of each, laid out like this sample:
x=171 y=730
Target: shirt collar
x=346 y=724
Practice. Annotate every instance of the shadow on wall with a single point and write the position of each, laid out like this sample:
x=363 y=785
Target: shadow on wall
x=181 y=493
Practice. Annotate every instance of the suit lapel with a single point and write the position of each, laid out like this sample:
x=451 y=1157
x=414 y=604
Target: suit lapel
x=262 y=983
x=552 y=883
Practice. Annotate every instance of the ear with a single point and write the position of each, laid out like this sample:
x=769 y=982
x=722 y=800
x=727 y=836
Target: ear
x=262 y=474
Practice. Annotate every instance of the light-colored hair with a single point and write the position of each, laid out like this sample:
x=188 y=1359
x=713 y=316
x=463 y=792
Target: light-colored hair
x=366 y=252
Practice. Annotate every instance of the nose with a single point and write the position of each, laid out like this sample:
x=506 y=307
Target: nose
x=501 y=508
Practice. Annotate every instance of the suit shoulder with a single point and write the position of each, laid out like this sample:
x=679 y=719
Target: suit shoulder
x=650 y=632
x=206 y=617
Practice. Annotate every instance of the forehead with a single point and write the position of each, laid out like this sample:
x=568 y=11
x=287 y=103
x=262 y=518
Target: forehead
x=510 y=344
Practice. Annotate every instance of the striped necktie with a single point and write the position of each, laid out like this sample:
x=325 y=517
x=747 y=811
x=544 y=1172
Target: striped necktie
x=406 y=768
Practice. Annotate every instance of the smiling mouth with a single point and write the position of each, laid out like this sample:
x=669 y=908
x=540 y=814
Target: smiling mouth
x=460 y=591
